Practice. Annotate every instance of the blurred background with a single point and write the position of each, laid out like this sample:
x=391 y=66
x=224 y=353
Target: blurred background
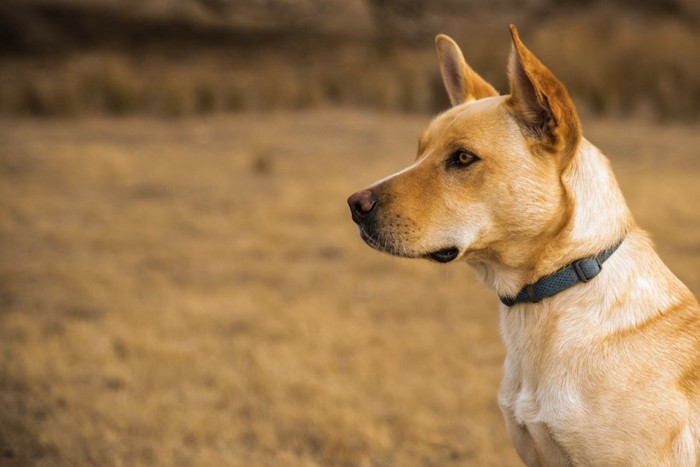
x=183 y=57
x=180 y=280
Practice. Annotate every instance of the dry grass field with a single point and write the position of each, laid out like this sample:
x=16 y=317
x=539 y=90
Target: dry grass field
x=193 y=292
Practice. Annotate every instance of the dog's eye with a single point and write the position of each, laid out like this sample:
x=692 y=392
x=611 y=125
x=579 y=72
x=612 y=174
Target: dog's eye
x=463 y=158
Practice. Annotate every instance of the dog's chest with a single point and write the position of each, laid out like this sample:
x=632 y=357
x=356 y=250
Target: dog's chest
x=536 y=398
x=538 y=413
x=541 y=382
x=540 y=399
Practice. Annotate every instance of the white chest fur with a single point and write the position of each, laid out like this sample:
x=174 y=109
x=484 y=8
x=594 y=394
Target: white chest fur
x=535 y=410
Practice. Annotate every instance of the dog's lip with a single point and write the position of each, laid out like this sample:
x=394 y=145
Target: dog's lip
x=377 y=243
x=444 y=255
x=367 y=237
x=371 y=240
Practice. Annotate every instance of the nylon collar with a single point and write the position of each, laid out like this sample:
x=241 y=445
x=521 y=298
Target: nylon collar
x=582 y=270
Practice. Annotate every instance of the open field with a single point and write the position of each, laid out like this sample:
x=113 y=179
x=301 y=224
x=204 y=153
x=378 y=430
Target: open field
x=193 y=292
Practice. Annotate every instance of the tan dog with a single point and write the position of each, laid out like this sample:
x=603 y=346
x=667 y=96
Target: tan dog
x=604 y=371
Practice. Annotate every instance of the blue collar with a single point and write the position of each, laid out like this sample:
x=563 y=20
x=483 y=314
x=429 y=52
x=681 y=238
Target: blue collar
x=582 y=270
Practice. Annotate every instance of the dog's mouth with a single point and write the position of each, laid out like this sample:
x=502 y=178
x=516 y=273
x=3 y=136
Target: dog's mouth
x=445 y=255
x=387 y=245
x=375 y=241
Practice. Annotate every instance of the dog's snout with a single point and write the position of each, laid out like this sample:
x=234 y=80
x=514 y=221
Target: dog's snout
x=362 y=205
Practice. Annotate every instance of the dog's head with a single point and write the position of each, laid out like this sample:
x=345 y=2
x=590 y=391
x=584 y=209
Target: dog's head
x=487 y=177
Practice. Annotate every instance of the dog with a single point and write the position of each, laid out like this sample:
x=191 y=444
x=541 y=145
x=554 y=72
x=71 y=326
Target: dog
x=602 y=340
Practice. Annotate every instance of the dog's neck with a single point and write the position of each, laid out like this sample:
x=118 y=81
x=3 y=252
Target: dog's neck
x=598 y=218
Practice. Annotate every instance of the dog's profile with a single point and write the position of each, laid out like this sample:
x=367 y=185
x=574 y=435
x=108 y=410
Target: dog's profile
x=602 y=340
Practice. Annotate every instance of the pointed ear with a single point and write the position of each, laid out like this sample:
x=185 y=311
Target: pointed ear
x=541 y=103
x=462 y=83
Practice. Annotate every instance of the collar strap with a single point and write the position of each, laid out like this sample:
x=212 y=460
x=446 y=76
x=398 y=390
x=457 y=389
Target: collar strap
x=582 y=270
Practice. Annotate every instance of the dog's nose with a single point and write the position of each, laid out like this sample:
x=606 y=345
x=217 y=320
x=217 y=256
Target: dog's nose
x=361 y=205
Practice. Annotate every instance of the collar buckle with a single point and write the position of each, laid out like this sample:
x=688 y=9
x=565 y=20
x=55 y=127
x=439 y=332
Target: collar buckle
x=532 y=294
x=587 y=268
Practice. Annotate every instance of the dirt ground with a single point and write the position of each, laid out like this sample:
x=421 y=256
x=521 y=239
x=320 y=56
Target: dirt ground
x=193 y=292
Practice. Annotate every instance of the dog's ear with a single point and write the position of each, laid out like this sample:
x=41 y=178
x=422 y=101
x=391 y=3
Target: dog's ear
x=462 y=83
x=541 y=103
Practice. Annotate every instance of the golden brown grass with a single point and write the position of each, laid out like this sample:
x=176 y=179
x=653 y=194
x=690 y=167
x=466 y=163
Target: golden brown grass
x=194 y=293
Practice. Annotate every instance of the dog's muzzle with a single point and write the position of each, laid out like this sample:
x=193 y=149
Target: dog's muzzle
x=364 y=207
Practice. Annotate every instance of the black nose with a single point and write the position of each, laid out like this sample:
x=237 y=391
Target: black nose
x=361 y=205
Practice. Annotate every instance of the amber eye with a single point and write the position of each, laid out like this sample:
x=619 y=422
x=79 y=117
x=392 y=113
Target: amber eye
x=463 y=158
